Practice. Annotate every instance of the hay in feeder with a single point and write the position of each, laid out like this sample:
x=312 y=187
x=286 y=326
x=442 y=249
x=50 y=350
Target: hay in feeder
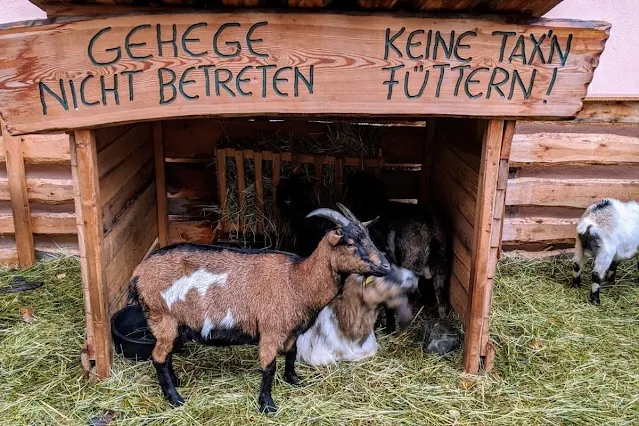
x=559 y=360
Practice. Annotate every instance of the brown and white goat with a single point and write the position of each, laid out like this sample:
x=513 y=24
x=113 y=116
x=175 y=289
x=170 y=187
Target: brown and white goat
x=224 y=296
x=344 y=330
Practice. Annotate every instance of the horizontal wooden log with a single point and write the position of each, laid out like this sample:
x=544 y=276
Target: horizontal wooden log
x=43 y=149
x=43 y=189
x=568 y=192
x=112 y=183
x=539 y=228
x=610 y=110
x=42 y=223
x=362 y=53
x=571 y=148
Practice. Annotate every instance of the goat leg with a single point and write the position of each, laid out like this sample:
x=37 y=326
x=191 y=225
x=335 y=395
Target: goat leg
x=439 y=283
x=265 y=399
x=391 y=325
x=172 y=375
x=290 y=376
x=611 y=274
x=166 y=382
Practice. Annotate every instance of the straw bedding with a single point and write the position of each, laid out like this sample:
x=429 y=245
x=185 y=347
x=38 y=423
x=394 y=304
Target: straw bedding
x=559 y=361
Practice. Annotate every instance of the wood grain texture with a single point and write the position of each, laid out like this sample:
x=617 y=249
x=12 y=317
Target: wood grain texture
x=160 y=184
x=571 y=192
x=349 y=68
x=194 y=231
x=106 y=7
x=42 y=149
x=573 y=148
x=17 y=183
x=84 y=166
x=480 y=288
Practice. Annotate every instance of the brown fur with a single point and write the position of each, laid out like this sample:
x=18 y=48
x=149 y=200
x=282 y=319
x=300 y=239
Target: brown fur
x=356 y=310
x=269 y=294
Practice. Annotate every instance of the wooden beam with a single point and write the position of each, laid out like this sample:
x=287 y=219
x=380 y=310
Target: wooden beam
x=34 y=99
x=568 y=192
x=220 y=164
x=84 y=167
x=160 y=185
x=17 y=182
x=488 y=174
x=556 y=149
x=427 y=160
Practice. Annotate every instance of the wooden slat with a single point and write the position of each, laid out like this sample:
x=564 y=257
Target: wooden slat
x=195 y=231
x=459 y=299
x=112 y=183
x=277 y=164
x=568 y=192
x=42 y=149
x=105 y=136
x=42 y=223
x=458 y=170
x=220 y=161
x=539 y=228
x=339 y=176
x=427 y=160
x=488 y=176
x=84 y=166
x=259 y=189
x=128 y=222
x=462 y=199
x=573 y=148
x=241 y=180
x=121 y=148
x=130 y=190
x=160 y=185
x=192 y=139
x=606 y=110
x=17 y=182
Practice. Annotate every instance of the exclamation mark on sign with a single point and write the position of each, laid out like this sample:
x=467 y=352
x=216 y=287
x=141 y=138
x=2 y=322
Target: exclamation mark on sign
x=552 y=83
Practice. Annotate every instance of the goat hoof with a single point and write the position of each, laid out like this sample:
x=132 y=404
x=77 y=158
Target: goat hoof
x=594 y=299
x=575 y=283
x=268 y=407
x=175 y=399
x=293 y=379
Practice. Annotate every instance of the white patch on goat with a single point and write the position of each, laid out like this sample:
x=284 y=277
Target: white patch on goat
x=207 y=327
x=324 y=343
x=228 y=321
x=410 y=280
x=199 y=280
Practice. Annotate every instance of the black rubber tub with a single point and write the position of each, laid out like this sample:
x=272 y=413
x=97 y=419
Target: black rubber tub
x=131 y=335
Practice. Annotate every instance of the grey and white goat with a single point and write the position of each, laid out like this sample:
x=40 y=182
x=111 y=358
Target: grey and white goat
x=609 y=232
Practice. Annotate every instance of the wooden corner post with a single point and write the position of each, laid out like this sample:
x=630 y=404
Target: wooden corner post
x=160 y=185
x=484 y=256
x=86 y=188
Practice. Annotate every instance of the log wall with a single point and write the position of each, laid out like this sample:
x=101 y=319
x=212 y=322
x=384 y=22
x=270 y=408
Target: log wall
x=45 y=215
x=128 y=202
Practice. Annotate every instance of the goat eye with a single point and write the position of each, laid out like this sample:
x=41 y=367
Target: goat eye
x=350 y=244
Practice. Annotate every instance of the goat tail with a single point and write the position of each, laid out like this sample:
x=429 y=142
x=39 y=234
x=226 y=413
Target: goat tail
x=134 y=295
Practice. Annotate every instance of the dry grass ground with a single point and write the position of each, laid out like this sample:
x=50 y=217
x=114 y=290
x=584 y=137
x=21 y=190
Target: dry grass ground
x=559 y=361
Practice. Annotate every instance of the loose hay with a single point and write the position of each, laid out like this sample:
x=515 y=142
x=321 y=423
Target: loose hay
x=559 y=361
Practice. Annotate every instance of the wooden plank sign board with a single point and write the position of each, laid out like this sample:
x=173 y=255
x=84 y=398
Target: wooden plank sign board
x=133 y=68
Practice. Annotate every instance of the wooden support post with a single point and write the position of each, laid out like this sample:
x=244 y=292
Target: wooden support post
x=493 y=134
x=339 y=173
x=160 y=185
x=241 y=184
x=17 y=180
x=86 y=187
x=277 y=164
x=220 y=161
x=259 y=189
x=427 y=159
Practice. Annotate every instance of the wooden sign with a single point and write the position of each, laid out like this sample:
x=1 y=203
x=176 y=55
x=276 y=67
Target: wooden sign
x=133 y=68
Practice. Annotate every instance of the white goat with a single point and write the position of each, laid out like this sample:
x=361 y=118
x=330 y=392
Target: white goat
x=609 y=232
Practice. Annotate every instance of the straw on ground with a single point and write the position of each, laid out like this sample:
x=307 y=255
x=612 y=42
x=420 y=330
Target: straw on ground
x=559 y=361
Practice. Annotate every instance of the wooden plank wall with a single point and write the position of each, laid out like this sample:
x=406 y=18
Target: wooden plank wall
x=49 y=200
x=557 y=170
x=453 y=184
x=192 y=170
x=128 y=201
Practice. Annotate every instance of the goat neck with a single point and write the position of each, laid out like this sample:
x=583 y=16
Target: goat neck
x=317 y=278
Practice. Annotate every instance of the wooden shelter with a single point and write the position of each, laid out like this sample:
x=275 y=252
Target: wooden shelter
x=115 y=75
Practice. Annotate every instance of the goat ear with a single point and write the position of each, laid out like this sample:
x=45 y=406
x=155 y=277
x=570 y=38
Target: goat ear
x=370 y=222
x=334 y=237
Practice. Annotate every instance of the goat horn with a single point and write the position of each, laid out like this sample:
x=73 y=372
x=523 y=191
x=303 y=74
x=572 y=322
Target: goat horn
x=331 y=215
x=346 y=212
x=370 y=222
